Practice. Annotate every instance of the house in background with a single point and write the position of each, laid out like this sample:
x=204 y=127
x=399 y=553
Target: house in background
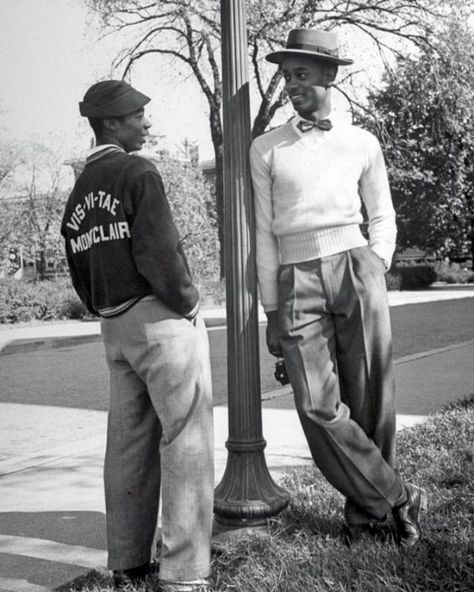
x=415 y=255
x=32 y=199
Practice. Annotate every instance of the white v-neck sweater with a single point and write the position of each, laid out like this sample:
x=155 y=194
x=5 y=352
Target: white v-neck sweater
x=308 y=189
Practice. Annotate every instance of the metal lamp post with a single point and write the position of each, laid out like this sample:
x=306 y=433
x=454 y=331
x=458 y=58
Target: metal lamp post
x=247 y=495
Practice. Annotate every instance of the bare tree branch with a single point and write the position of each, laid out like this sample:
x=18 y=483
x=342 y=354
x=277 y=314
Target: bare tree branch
x=189 y=31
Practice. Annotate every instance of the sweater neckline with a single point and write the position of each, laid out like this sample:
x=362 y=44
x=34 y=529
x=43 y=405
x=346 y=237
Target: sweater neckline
x=101 y=151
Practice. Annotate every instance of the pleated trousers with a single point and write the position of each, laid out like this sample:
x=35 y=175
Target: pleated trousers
x=159 y=434
x=337 y=345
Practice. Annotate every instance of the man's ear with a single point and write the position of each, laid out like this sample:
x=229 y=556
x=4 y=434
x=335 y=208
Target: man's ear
x=111 y=124
x=331 y=73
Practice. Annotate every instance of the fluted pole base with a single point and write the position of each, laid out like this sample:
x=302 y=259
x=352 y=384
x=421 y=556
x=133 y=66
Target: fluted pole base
x=247 y=495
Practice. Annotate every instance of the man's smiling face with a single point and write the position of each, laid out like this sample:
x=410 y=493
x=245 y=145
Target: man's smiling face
x=306 y=82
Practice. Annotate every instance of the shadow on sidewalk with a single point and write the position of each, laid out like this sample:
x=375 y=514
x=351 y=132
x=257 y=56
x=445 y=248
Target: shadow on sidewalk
x=46 y=549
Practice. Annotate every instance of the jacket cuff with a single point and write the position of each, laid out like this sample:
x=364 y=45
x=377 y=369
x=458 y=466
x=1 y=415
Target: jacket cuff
x=190 y=315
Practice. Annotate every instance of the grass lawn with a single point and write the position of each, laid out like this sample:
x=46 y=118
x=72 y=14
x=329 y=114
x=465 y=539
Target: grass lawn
x=304 y=549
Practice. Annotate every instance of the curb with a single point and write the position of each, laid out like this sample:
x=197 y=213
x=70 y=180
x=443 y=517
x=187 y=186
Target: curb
x=215 y=319
x=29 y=344
x=22 y=346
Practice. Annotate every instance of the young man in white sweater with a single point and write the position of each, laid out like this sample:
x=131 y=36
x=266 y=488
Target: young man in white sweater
x=322 y=286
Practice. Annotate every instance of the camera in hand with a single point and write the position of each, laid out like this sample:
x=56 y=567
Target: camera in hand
x=280 y=373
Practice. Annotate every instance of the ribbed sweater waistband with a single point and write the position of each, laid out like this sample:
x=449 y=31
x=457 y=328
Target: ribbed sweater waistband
x=313 y=244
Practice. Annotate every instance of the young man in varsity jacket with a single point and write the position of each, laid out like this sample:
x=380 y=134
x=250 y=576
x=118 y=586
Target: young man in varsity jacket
x=322 y=286
x=128 y=267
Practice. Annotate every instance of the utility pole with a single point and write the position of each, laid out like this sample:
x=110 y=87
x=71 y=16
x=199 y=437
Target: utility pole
x=247 y=496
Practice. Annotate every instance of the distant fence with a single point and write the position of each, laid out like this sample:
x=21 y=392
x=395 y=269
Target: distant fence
x=421 y=258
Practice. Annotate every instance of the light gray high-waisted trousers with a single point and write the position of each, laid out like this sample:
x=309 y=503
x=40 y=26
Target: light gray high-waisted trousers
x=159 y=433
x=337 y=345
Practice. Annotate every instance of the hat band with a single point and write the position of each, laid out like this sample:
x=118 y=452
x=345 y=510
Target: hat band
x=315 y=48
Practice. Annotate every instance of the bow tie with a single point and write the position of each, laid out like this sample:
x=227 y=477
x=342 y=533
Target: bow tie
x=323 y=124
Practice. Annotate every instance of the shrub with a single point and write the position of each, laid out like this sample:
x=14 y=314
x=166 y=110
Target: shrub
x=213 y=292
x=192 y=204
x=49 y=300
x=415 y=276
x=393 y=279
x=73 y=308
x=23 y=301
x=454 y=273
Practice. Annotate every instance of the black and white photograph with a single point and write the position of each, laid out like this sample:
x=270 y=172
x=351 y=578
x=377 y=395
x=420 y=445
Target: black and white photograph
x=237 y=296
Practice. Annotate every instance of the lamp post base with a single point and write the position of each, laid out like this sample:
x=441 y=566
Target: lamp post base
x=247 y=495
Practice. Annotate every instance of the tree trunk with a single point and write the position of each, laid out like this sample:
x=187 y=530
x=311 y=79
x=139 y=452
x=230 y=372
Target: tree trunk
x=472 y=244
x=220 y=207
x=41 y=263
x=217 y=142
x=260 y=125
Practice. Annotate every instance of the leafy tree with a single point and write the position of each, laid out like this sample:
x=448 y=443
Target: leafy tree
x=425 y=118
x=42 y=217
x=32 y=207
x=9 y=218
x=189 y=32
x=7 y=160
x=191 y=200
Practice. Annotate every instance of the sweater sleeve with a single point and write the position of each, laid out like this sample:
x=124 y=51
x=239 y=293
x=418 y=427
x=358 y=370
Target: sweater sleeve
x=156 y=247
x=268 y=258
x=375 y=193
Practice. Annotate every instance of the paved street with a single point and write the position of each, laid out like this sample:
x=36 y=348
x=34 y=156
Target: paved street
x=75 y=374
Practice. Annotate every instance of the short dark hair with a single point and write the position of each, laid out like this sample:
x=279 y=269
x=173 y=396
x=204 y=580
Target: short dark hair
x=97 y=124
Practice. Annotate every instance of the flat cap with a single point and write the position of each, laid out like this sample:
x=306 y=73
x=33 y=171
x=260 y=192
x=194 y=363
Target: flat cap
x=111 y=98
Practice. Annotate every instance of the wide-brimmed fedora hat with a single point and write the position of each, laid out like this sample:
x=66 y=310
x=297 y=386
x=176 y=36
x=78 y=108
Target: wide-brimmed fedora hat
x=312 y=43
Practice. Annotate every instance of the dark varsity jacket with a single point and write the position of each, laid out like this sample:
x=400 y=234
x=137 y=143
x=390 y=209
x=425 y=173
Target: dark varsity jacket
x=121 y=241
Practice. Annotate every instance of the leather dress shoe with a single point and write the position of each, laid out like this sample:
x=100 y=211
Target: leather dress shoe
x=407 y=516
x=126 y=577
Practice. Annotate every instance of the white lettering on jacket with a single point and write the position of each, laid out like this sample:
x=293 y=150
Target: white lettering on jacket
x=101 y=200
x=99 y=234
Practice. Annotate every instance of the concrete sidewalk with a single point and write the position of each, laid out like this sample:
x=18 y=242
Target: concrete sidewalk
x=52 y=523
